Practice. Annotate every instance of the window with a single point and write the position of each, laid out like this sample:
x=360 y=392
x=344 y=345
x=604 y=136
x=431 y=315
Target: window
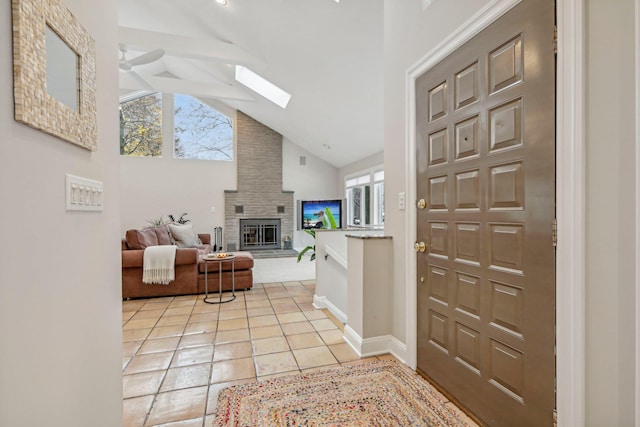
x=200 y=131
x=141 y=126
x=361 y=209
x=378 y=198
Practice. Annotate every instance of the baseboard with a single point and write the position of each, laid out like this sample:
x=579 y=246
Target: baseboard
x=321 y=302
x=353 y=339
x=399 y=350
x=375 y=346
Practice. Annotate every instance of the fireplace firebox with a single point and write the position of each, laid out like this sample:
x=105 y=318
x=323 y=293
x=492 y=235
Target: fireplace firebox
x=259 y=234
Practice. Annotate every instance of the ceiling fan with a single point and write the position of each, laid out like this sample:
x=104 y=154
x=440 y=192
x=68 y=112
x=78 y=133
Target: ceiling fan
x=145 y=58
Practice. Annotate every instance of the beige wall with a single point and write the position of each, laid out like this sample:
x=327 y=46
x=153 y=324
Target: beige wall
x=610 y=208
x=60 y=306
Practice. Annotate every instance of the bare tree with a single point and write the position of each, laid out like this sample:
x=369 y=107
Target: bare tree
x=201 y=132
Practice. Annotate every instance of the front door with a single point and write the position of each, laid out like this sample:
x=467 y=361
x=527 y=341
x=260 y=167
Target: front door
x=486 y=171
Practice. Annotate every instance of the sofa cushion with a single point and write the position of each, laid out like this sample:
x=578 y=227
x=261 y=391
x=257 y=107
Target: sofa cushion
x=242 y=261
x=140 y=239
x=184 y=236
x=164 y=237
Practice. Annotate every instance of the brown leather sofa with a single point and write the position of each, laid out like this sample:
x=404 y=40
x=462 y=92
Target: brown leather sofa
x=189 y=267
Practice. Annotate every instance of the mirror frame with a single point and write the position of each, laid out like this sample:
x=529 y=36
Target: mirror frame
x=33 y=105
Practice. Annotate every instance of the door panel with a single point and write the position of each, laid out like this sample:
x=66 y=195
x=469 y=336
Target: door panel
x=486 y=168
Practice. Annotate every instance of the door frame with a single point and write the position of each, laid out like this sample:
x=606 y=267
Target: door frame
x=637 y=223
x=570 y=199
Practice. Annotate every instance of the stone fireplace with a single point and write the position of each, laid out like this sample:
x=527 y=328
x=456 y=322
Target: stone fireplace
x=259 y=214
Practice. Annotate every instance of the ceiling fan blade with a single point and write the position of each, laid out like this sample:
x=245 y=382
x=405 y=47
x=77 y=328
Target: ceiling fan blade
x=146 y=58
x=124 y=65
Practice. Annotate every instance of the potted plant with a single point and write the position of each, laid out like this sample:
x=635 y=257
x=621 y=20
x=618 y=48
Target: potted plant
x=328 y=221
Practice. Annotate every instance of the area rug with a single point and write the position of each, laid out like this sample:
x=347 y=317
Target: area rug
x=378 y=393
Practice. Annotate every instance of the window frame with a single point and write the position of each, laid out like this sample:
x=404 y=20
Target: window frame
x=371 y=183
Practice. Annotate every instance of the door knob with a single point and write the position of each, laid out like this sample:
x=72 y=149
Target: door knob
x=421 y=204
x=420 y=247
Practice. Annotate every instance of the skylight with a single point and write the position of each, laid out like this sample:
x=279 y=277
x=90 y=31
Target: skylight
x=263 y=86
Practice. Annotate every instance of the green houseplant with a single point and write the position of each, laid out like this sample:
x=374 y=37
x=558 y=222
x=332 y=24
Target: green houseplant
x=328 y=222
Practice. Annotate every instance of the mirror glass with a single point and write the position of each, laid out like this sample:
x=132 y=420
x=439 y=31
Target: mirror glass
x=62 y=70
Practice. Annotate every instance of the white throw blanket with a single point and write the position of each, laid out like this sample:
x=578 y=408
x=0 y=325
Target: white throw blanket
x=158 y=264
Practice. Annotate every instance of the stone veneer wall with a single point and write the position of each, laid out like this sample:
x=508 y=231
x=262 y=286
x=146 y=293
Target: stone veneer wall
x=259 y=157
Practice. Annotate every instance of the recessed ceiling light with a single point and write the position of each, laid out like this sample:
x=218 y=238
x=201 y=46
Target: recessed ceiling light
x=225 y=1
x=263 y=86
x=337 y=1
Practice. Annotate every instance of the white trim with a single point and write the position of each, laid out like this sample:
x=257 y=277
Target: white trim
x=321 y=302
x=570 y=195
x=352 y=338
x=637 y=239
x=399 y=349
x=374 y=346
x=492 y=11
x=570 y=185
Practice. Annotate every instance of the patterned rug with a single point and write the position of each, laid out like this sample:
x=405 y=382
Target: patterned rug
x=379 y=393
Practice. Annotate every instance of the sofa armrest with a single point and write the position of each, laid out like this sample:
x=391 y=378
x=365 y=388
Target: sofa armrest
x=186 y=256
x=133 y=258
x=205 y=238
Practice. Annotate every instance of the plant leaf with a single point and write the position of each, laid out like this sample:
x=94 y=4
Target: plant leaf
x=304 y=251
x=329 y=216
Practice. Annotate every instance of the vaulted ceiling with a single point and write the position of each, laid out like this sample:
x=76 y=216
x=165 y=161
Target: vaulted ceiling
x=327 y=55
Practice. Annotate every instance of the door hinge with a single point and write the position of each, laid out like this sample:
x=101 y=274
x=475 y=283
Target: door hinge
x=555 y=39
x=554 y=232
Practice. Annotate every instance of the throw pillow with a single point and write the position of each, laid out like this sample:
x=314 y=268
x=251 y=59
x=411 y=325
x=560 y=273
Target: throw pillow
x=164 y=238
x=184 y=235
x=140 y=239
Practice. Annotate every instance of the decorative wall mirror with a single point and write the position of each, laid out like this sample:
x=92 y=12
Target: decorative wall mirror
x=54 y=72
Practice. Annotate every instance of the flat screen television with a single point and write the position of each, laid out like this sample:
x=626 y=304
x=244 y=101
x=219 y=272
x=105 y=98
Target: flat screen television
x=312 y=212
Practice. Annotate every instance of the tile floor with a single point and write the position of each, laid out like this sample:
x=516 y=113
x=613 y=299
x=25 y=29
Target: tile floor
x=179 y=352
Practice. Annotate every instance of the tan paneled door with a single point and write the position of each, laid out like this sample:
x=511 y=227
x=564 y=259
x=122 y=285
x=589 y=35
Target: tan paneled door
x=486 y=173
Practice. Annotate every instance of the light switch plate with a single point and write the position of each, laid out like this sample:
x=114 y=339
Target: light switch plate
x=83 y=194
x=401 y=201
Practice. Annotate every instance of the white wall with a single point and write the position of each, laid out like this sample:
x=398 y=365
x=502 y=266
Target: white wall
x=60 y=292
x=410 y=33
x=316 y=180
x=365 y=165
x=610 y=213
x=332 y=271
x=154 y=187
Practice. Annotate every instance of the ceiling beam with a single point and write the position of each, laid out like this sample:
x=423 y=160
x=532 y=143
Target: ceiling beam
x=186 y=87
x=186 y=47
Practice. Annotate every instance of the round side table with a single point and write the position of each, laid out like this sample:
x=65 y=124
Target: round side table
x=207 y=260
